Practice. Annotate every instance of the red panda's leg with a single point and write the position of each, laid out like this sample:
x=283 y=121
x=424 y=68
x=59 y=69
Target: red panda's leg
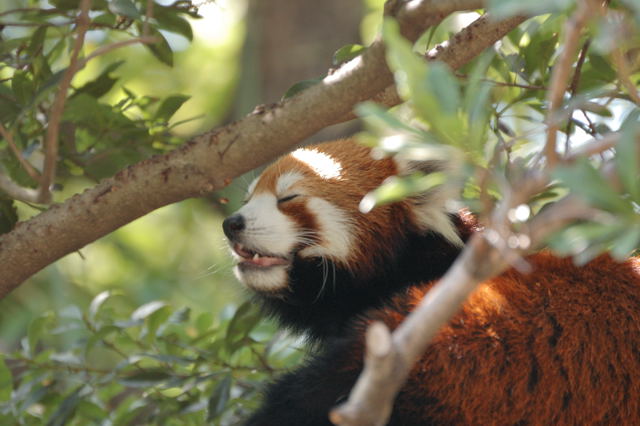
x=305 y=396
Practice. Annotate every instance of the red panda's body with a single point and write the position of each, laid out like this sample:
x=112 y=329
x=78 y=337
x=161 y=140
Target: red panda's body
x=558 y=346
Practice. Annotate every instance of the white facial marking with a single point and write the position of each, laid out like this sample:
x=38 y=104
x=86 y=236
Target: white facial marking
x=252 y=186
x=322 y=164
x=272 y=279
x=334 y=229
x=266 y=228
x=286 y=181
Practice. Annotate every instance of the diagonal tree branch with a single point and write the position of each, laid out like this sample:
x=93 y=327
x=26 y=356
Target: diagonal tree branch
x=209 y=161
x=463 y=47
x=390 y=357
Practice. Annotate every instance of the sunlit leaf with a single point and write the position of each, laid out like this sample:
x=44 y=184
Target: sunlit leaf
x=506 y=8
x=432 y=89
x=97 y=302
x=628 y=155
x=398 y=188
x=347 y=53
x=169 y=106
x=147 y=309
x=583 y=179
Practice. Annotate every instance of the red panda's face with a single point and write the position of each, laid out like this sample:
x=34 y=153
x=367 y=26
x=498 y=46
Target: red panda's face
x=305 y=207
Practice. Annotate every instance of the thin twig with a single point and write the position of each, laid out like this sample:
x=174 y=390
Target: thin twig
x=148 y=15
x=561 y=72
x=17 y=192
x=103 y=50
x=573 y=88
x=25 y=164
x=57 y=108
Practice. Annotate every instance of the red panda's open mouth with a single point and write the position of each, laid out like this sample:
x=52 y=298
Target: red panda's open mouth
x=256 y=259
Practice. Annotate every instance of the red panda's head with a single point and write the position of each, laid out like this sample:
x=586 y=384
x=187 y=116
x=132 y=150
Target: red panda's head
x=305 y=206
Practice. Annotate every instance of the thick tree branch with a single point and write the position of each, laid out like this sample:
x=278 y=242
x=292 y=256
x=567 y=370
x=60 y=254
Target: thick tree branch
x=209 y=161
x=461 y=49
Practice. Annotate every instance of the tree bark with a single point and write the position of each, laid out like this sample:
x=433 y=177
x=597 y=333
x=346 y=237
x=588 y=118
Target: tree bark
x=210 y=161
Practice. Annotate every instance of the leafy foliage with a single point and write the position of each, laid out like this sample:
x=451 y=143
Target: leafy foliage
x=97 y=137
x=121 y=365
x=145 y=366
x=492 y=115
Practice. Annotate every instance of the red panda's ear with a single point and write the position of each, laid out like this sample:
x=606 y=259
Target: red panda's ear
x=432 y=209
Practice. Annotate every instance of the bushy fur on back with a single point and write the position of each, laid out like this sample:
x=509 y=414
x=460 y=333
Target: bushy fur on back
x=558 y=346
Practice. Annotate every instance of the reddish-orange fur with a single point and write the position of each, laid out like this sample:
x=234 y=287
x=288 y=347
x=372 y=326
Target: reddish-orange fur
x=360 y=174
x=574 y=332
x=560 y=345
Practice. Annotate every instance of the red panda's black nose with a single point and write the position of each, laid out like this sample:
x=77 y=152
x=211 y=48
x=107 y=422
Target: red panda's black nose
x=233 y=225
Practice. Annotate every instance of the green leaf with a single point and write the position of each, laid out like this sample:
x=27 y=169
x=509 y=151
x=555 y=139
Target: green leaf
x=36 y=329
x=22 y=87
x=97 y=302
x=299 y=87
x=92 y=411
x=628 y=155
x=477 y=98
x=626 y=243
x=584 y=180
x=124 y=8
x=168 y=19
x=6 y=381
x=245 y=319
x=506 y=8
x=65 y=4
x=219 y=398
x=169 y=106
x=398 y=188
x=37 y=41
x=347 y=53
x=147 y=309
x=432 y=89
x=160 y=49
x=602 y=67
x=585 y=241
x=101 y=84
x=204 y=321
x=8 y=215
x=145 y=379
x=66 y=409
x=382 y=119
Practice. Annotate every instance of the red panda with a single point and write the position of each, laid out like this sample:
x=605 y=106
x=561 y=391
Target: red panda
x=560 y=345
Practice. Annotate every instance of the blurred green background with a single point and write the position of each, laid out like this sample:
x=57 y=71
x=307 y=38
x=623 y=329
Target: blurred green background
x=178 y=253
